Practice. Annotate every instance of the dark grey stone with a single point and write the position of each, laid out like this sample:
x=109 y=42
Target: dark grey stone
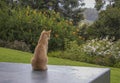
x=23 y=73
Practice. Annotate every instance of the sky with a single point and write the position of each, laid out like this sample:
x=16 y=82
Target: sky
x=89 y=3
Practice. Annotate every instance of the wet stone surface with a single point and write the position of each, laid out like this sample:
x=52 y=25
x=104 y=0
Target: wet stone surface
x=23 y=73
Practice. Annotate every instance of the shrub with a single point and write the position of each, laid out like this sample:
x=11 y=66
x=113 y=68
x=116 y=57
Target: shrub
x=26 y=24
x=116 y=49
x=83 y=26
x=97 y=51
x=108 y=23
x=73 y=51
x=98 y=47
x=102 y=47
x=19 y=45
x=104 y=51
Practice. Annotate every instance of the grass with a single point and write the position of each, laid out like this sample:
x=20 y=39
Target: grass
x=9 y=55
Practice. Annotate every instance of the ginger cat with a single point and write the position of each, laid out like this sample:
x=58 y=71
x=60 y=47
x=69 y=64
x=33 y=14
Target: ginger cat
x=39 y=60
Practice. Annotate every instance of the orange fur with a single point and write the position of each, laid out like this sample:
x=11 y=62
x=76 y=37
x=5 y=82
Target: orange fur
x=39 y=60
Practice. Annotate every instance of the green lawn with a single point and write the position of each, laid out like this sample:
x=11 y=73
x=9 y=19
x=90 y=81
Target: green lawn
x=9 y=55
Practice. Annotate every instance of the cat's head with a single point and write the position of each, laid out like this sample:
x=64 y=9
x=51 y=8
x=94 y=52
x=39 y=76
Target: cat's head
x=46 y=34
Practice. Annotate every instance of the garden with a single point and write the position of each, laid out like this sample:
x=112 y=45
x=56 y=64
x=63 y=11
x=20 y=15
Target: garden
x=97 y=43
x=71 y=40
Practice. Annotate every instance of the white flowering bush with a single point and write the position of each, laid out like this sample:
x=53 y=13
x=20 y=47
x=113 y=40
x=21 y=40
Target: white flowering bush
x=102 y=47
x=98 y=47
x=98 y=51
x=116 y=49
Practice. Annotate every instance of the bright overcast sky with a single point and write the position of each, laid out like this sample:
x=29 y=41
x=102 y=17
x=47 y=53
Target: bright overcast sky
x=89 y=3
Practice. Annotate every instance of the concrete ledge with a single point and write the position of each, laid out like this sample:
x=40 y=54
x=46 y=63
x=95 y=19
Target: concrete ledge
x=22 y=73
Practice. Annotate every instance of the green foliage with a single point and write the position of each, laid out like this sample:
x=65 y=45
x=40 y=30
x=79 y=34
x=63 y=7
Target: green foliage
x=26 y=24
x=72 y=50
x=99 y=4
x=117 y=3
x=83 y=30
x=18 y=45
x=98 y=47
x=97 y=51
x=71 y=10
x=104 y=51
x=108 y=24
x=40 y=4
x=67 y=8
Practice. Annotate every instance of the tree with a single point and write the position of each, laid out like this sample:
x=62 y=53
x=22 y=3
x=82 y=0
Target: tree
x=108 y=24
x=101 y=3
x=117 y=3
x=69 y=9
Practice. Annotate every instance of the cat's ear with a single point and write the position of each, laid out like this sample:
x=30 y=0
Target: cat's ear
x=49 y=31
x=43 y=30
